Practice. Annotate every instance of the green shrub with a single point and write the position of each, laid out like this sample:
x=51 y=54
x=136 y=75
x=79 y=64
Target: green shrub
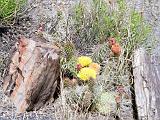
x=102 y=20
x=9 y=8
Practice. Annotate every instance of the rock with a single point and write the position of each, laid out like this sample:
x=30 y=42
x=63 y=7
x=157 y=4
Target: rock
x=34 y=74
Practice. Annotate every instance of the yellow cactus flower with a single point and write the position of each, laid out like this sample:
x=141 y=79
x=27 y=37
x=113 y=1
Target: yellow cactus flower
x=87 y=73
x=84 y=61
x=95 y=66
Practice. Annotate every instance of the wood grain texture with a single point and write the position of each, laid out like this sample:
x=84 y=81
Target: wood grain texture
x=34 y=74
x=146 y=84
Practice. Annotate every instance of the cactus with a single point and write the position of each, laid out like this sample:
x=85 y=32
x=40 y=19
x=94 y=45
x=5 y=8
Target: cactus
x=106 y=103
x=80 y=96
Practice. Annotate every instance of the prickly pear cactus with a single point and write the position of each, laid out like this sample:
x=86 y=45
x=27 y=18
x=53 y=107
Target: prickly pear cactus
x=106 y=103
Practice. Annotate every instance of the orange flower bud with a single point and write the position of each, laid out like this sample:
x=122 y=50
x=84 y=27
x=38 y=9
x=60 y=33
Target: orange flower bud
x=116 y=49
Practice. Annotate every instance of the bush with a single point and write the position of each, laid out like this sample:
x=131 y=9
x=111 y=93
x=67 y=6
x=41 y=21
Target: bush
x=9 y=8
x=103 y=19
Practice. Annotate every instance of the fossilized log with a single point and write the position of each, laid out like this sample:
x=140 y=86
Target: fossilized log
x=146 y=71
x=34 y=74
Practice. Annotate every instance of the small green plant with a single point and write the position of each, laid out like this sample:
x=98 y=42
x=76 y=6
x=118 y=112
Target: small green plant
x=69 y=66
x=9 y=8
x=69 y=50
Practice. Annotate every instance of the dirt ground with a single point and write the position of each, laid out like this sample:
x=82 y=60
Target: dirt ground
x=44 y=12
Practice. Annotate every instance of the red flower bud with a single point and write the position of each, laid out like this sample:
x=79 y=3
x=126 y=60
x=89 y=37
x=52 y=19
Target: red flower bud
x=78 y=67
x=112 y=41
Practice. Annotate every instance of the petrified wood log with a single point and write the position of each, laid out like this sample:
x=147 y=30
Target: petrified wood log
x=34 y=74
x=146 y=71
